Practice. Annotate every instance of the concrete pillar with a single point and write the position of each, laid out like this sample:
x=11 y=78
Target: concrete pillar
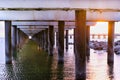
x=61 y=25
x=21 y=38
x=80 y=44
x=18 y=38
x=87 y=41
x=38 y=38
x=110 y=56
x=8 y=56
x=99 y=36
x=74 y=40
x=46 y=40
x=14 y=40
x=66 y=39
x=51 y=40
x=43 y=38
x=56 y=38
x=104 y=36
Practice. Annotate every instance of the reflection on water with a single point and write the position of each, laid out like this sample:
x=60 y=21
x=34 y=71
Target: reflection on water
x=97 y=66
x=34 y=64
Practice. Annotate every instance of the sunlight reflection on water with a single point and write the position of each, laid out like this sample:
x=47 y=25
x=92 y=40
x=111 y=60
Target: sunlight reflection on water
x=96 y=67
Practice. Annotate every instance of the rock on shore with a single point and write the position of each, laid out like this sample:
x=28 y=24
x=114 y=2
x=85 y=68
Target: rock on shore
x=101 y=45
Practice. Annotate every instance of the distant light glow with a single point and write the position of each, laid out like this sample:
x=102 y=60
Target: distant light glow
x=30 y=37
x=102 y=28
x=117 y=27
x=71 y=31
x=99 y=28
x=2 y=29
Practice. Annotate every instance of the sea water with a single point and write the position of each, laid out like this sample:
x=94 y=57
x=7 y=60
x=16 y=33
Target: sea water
x=2 y=50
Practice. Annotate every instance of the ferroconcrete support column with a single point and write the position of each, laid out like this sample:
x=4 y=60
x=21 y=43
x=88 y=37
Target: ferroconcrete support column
x=51 y=40
x=46 y=40
x=21 y=38
x=8 y=55
x=42 y=39
x=18 y=38
x=61 y=25
x=66 y=39
x=110 y=56
x=56 y=38
x=37 y=36
x=93 y=36
x=14 y=40
x=80 y=44
x=87 y=41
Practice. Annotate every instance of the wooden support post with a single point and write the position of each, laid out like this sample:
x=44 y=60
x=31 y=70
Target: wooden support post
x=51 y=40
x=80 y=44
x=8 y=55
x=66 y=39
x=61 y=25
x=14 y=40
x=110 y=56
x=87 y=41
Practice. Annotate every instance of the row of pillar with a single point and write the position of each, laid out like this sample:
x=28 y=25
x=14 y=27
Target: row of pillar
x=81 y=44
x=45 y=39
x=14 y=39
x=99 y=36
